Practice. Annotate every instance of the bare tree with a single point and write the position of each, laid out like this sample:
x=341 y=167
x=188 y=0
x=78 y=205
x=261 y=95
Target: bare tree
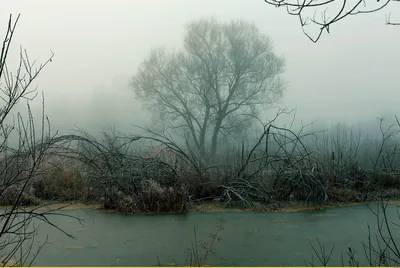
x=331 y=11
x=224 y=75
x=22 y=156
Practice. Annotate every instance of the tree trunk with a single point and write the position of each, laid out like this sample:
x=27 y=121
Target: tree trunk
x=214 y=140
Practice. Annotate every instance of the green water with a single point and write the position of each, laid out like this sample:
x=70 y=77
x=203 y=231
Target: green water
x=249 y=238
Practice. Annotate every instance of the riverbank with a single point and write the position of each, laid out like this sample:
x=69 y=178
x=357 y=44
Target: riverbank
x=283 y=206
x=209 y=207
x=186 y=192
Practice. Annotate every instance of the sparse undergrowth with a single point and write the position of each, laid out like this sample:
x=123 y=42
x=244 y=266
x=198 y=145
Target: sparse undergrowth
x=118 y=172
x=152 y=197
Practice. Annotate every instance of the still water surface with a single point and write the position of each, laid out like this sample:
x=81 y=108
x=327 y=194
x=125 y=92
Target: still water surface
x=249 y=238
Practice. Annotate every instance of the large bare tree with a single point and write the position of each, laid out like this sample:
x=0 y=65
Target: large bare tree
x=327 y=12
x=225 y=74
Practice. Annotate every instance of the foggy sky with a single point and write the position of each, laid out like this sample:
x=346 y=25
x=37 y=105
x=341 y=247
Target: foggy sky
x=350 y=75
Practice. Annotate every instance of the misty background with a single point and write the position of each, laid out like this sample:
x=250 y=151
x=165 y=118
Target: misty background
x=350 y=76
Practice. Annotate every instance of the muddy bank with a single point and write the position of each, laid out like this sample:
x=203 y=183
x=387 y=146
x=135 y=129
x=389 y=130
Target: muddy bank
x=284 y=206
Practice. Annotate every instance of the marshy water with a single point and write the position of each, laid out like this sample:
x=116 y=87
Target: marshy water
x=249 y=238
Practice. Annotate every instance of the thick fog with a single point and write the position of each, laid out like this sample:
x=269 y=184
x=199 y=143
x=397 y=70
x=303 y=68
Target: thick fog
x=350 y=75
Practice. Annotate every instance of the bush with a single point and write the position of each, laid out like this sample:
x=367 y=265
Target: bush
x=151 y=197
x=56 y=184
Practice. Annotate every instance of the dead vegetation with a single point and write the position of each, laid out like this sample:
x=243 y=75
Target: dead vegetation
x=23 y=149
x=281 y=166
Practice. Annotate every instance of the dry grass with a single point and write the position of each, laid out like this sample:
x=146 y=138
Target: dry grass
x=152 y=197
x=60 y=185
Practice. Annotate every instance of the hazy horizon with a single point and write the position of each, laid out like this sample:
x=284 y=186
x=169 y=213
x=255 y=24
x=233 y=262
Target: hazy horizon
x=99 y=45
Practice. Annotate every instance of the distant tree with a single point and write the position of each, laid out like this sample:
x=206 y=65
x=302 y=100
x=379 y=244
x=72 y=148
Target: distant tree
x=332 y=11
x=224 y=75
